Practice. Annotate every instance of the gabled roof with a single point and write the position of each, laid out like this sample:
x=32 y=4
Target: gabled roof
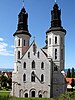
x=69 y=80
x=29 y=48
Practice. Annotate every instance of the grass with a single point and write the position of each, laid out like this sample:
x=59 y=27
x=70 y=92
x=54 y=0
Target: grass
x=66 y=96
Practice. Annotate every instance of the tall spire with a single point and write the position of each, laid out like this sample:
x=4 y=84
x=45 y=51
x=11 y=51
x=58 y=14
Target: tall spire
x=23 y=22
x=56 y=16
x=56 y=19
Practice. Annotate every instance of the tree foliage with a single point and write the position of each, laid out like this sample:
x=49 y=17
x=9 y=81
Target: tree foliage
x=68 y=73
x=5 y=81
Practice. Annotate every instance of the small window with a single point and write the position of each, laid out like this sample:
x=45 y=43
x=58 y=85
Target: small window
x=24 y=77
x=18 y=54
x=33 y=64
x=42 y=65
x=24 y=42
x=33 y=77
x=55 y=54
x=62 y=54
x=38 y=54
x=55 y=68
x=55 y=40
x=24 y=65
x=42 y=78
x=49 y=41
x=28 y=54
x=18 y=42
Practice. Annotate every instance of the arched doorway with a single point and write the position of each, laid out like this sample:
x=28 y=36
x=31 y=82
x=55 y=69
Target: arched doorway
x=40 y=95
x=21 y=93
x=33 y=94
x=26 y=95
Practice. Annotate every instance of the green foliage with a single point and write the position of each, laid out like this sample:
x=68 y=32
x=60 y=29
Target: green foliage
x=66 y=96
x=5 y=82
x=68 y=73
x=73 y=73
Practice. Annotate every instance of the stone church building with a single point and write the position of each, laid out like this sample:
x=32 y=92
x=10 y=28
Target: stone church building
x=37 y=71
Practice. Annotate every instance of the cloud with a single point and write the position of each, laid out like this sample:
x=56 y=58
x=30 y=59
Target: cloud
x=3 y=48
x=1 y=39
x=12 y=46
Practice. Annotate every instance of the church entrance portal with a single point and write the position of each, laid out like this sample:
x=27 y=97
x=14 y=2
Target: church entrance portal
x=33 y=93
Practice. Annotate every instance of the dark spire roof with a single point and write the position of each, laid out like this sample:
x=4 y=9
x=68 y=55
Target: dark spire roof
x=22 y=23
x=56 y=14
x=56 y=19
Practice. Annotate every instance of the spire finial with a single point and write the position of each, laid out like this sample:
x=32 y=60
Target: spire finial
x=55 y=1
x=34 y=38
x=23 y=3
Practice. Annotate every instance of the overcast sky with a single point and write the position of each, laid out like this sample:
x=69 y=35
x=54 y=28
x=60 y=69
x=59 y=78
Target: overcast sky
x=39 y=17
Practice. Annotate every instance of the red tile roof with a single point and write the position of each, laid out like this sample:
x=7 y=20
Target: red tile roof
x=69 y=80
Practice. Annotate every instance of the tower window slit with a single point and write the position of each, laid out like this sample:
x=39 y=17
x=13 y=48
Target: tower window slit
x=24 y=42
x=24 y=77
x=55 y=40
x=55 y=54
x=18 y=42
x=18 y=54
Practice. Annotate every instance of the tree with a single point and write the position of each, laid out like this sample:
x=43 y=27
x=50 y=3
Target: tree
x=72 y=83
x=68 y=73
x=3 y=80
x=72 y=72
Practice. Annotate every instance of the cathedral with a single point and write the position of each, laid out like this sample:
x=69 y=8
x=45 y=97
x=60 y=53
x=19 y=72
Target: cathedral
x=38 y=71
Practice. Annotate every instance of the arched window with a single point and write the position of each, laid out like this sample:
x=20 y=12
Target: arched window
x=33 y=77
x=38 y=54
x=18 y=54
x=42 y=78
x=24 y=77
x=33 y=64
x=18 y=42
x=42 y=65
x=28 y=54
x=24 y=65
x=24 y=42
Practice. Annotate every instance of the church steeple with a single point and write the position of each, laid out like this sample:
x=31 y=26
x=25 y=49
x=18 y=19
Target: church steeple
x=56 y=20
x=55 y=16
x=22 y=27
x=22 y=20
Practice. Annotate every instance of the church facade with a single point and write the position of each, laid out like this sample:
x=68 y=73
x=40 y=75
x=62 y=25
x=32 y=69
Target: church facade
x=37 y=72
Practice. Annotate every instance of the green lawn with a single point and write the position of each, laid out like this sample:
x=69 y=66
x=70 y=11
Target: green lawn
x=66 y=96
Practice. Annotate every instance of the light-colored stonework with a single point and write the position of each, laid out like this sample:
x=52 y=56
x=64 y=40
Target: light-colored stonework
x=37 y=73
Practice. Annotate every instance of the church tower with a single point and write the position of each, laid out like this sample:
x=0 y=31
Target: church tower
x=22 y=36
x=56 y=47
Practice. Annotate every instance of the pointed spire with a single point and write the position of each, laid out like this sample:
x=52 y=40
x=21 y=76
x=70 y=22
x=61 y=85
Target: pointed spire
x=56 y=16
